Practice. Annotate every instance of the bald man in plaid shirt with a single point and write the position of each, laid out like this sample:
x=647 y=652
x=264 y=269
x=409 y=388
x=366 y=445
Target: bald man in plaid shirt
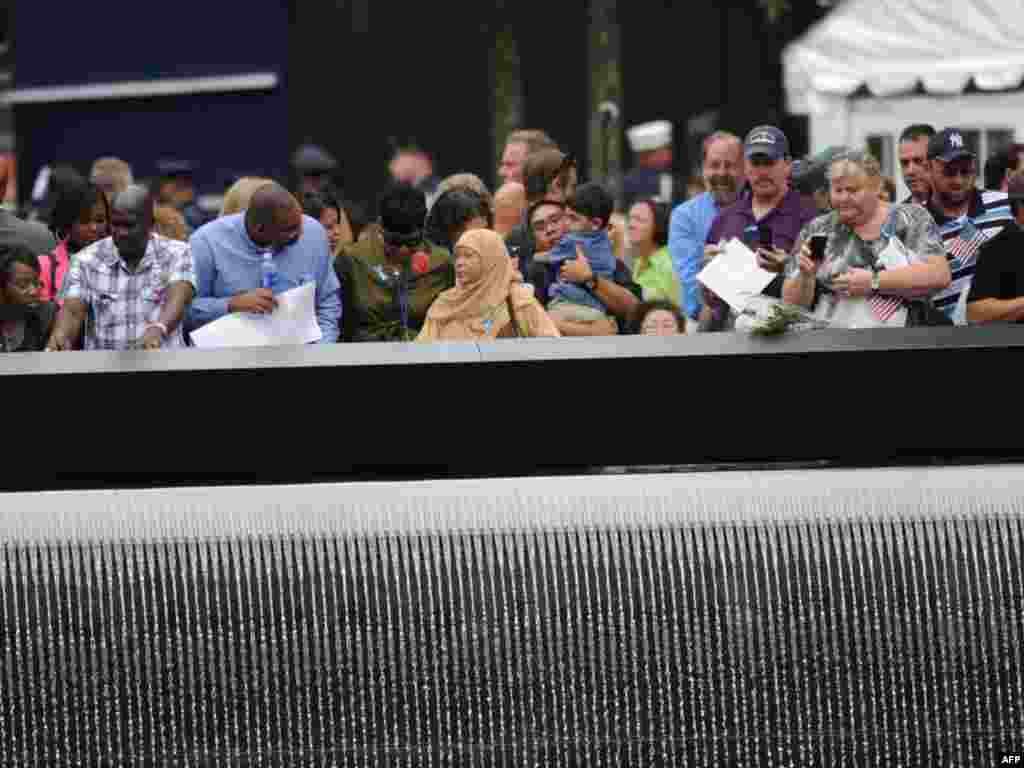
x=132 y=287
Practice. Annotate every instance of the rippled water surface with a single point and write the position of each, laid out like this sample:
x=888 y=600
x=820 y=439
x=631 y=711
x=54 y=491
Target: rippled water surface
x=860 y=643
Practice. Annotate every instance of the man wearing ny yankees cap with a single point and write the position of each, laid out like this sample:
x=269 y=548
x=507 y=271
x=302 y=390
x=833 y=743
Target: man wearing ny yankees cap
x=968 y=217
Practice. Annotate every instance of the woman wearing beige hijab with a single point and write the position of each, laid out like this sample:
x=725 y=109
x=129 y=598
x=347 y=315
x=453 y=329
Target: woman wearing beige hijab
x=489 y=301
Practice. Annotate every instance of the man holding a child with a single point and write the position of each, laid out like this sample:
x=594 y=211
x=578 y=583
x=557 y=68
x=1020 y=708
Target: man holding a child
x=585 y=230
x=574 y=271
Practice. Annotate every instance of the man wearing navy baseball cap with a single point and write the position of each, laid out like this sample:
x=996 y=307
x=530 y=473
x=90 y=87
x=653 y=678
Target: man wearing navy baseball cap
x=769 y=166
x=768 y=220
x=967 y=217
x=954 y=170
x=768 y=141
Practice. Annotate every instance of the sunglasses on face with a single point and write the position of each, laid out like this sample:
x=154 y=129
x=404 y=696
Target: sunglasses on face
x=26 y=287
x=396 y=240
x=952 y=171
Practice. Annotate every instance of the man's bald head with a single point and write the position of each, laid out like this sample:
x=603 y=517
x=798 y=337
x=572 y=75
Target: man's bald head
x=135 y=199
x=131 y=221
x=509 y=206
x=274 y=216
x=272 y=195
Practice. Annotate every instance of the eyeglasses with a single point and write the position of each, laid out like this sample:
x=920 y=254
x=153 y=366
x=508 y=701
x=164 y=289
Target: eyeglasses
x=396 y=240
x=551 y=222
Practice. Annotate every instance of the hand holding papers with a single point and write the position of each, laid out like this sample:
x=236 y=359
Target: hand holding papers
x=735 y=276
x=293 y=322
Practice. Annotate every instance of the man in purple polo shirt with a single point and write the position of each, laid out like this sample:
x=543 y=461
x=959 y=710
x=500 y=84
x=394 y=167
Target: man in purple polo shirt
x=771 y=204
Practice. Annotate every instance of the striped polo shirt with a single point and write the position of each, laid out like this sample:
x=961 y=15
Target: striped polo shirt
x=987 y=214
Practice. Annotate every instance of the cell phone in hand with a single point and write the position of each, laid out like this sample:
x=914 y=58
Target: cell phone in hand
x=764 y=236
x=817 y=245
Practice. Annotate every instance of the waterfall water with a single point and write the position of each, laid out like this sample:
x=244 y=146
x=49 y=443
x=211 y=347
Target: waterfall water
x=672 y=625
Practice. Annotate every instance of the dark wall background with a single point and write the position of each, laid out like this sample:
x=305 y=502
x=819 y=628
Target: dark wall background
x=552 y=37
x=359 y=81
x=367 y=74
x=121 y=41
x=63 y=43
x=243 y=133
x=681 y=60
x=359 y=76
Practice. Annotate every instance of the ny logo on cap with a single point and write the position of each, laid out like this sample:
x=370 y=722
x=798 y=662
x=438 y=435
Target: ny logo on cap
x=956 y=140
x=762 y=137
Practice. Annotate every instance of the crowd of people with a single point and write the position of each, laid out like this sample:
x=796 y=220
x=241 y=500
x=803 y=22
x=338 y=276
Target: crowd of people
x=117 y=265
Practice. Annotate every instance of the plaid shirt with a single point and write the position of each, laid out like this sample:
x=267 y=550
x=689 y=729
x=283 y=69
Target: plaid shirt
x=123 y=303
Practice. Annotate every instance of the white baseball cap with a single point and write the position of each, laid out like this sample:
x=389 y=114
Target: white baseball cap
x=650 y=136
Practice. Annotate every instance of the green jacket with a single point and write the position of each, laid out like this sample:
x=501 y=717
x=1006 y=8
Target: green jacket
x=370 y=297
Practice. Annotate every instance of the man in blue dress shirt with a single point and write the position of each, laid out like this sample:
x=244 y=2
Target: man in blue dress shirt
x=691 y=221
x=228 y=255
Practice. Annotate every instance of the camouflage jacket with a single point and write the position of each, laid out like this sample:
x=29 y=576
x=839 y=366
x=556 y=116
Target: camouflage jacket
x=373 y=291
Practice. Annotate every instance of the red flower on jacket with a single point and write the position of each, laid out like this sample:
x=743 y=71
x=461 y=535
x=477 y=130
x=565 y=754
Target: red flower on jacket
x=420 y=263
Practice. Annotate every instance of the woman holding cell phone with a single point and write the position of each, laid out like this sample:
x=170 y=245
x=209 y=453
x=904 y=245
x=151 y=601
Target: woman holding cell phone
x=867 y=262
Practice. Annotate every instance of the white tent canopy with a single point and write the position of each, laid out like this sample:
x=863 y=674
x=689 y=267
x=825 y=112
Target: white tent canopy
x=890 y=46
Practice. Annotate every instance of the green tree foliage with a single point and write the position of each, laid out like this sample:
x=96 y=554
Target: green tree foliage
x=775 y=9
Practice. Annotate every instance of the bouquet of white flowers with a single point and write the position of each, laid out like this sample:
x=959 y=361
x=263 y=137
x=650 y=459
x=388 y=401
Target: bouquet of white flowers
x=765 y=316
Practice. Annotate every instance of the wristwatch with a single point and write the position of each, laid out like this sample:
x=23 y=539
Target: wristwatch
x=876 y=282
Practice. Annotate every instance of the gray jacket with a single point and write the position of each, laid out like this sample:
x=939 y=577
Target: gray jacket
x=18 y=231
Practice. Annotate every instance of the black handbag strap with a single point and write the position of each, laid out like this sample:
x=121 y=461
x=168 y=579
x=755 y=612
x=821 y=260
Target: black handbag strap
x=512 y=317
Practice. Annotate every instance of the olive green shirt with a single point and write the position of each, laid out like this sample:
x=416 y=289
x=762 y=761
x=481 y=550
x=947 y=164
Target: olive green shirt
x=371 y=290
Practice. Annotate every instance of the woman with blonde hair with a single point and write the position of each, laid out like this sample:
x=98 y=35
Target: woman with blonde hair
x=468 y=181
x=237 y=198
x=488 y=301
x=873 y=263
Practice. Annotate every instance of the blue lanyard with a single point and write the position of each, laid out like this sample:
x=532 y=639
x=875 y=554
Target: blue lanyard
x=403 y=303
x=750 y=234
x=889 y=227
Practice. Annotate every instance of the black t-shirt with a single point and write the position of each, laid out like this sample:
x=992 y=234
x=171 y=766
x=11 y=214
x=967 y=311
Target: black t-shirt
x=35 y=326
x=1000 y=270
x=520 y=243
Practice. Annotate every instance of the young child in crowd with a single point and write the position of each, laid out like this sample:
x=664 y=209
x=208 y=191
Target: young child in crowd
x=589 y=212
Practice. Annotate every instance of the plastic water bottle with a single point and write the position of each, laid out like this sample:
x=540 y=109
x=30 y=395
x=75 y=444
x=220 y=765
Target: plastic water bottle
x=267 y=271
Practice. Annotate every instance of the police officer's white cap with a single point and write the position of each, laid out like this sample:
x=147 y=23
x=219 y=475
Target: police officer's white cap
x=650 y=136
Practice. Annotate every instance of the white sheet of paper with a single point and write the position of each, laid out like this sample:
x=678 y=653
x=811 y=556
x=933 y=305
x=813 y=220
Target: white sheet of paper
x=734 y=275
x=292 y=322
